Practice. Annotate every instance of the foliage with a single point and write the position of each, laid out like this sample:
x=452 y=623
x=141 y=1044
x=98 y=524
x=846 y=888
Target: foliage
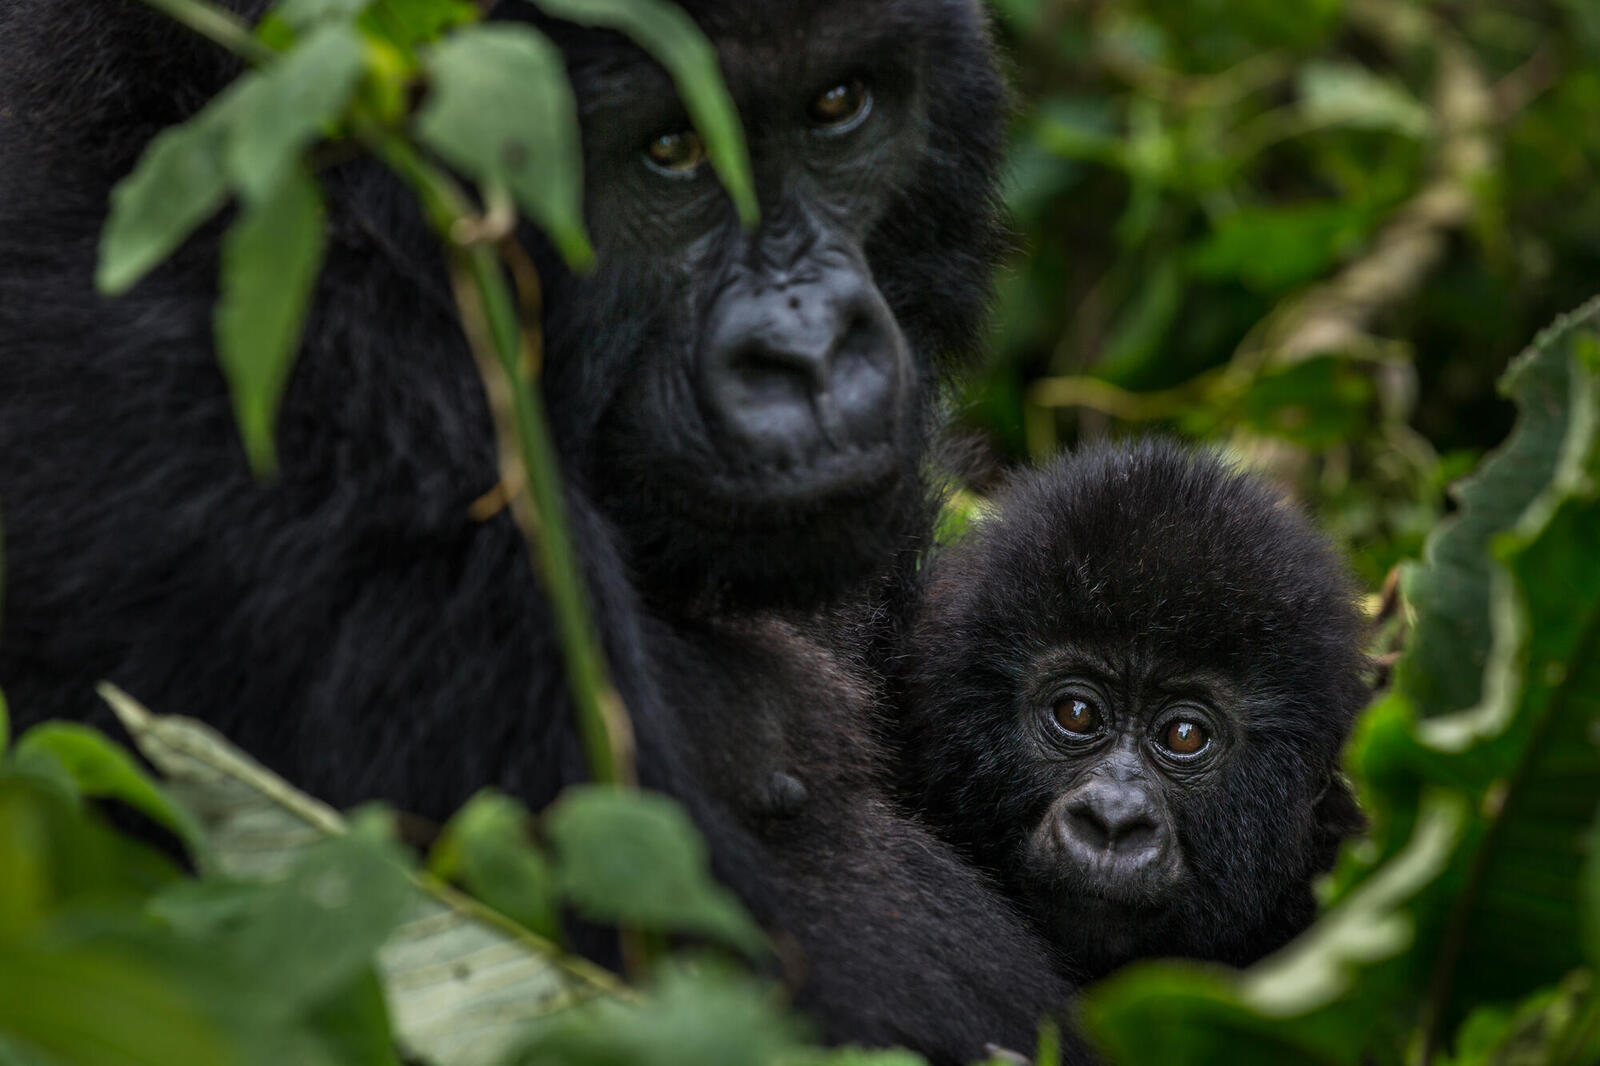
x=1308 y=230
x=1313 y=232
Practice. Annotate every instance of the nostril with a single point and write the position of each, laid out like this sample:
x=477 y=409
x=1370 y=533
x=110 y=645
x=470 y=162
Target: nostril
x=1084 y=824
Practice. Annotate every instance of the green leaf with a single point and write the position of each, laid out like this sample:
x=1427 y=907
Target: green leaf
x=1443 y=667
x=663 y=30
x=501 y=110
x=304 y=14
x=407 y=23
x=635 y=859
x=101 y=768
x=699 y=1016
x=1273 y=249
x=270 y=259
x=180 y=182
x=5 y=724
x=282 y=110
x=485 y=846
x=461 y=983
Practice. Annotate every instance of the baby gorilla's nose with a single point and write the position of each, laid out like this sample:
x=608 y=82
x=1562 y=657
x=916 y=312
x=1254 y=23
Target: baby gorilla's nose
x=1116 y=823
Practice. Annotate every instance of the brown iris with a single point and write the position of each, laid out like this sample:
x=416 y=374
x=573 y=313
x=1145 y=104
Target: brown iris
x=1077 y=716
x=1185 y=737
x=677 y=153
x=839 y=105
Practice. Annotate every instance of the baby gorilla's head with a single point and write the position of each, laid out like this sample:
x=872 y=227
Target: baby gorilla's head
x=1127 y=693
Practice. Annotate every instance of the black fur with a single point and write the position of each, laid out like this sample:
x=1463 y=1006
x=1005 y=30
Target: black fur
x=1161 y=575
x=350 y=625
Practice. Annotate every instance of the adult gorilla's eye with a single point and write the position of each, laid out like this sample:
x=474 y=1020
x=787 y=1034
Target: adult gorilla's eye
x=1185 y=737
x=677 y=154
x=841 y=107
x=1078 y=717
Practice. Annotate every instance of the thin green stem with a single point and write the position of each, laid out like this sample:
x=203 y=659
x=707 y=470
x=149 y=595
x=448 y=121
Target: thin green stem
x=506 y=351
x=216 y=25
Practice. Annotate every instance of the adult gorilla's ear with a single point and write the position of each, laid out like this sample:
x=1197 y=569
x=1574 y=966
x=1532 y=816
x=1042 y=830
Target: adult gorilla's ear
x=1336 y=816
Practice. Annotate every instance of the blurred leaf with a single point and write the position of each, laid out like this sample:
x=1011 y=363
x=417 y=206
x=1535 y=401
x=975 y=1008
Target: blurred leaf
x=270 y=259
x=670 y=36
x=700 y=1016
x=279 y=111
x=5 y=725
x=1315 y=403
x=486 y=846
x=404 y=23
x=1348 y=94
x=1443 y=666
x=461 y=985
x=180 y=182
x=304 y=14
x=635 y=859
x=1272 y=249
x=102 y=769
x=501 y=110
x=56 y=855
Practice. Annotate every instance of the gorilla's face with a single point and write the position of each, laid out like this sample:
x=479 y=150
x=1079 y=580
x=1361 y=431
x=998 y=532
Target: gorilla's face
x=765 y=388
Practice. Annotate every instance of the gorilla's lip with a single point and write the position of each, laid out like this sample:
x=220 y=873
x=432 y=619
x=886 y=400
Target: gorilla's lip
x=774 y=497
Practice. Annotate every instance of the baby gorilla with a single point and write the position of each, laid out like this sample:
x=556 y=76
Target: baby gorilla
x=1125 y=697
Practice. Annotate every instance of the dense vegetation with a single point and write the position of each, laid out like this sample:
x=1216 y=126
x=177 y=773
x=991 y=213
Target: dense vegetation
x=1316 y=232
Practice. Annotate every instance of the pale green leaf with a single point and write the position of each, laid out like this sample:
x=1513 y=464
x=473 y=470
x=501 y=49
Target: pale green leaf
x=500 y=109
x=282 y=110
x=270 y=259
x=180 y=182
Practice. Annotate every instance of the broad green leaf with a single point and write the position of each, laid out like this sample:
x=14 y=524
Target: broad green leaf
x=485 y=846
x=501 y=110
x=663 y=30
x=634 y=858
x=1272 y=249
x=1444 y=663
x=270 y=259
x=102 y=769
x=281 y=110
x=180 y=182
x=699 y=1016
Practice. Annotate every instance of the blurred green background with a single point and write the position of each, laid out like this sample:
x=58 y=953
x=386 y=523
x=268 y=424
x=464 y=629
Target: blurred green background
x=1315 y=231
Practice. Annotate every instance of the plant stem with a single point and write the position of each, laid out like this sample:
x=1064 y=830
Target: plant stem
x=507 y=353
x=216 y=25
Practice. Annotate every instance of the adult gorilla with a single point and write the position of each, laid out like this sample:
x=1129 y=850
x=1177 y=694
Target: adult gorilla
x=739 y=417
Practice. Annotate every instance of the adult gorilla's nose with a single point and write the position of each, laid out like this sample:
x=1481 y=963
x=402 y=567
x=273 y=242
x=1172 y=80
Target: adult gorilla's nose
x=794 y=375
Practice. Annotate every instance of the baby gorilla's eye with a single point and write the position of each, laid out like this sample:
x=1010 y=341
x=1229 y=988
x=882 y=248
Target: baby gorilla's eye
x=1078 y=717
x=1185 y=737
x=841 y=107
x=677 y=154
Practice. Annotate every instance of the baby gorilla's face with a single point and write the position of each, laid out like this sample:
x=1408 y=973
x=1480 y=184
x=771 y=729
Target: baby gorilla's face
x=1125 y=750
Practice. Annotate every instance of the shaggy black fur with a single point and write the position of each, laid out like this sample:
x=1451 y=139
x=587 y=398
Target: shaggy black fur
x=351 y=626
x=1119 y=593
